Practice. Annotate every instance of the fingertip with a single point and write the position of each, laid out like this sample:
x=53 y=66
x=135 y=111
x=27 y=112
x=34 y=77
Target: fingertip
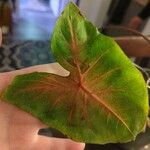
x=75 y=146
x=58 y=143
x=54 y=68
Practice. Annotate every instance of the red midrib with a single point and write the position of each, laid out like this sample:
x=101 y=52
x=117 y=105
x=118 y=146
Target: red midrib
x=75 y=51
x=103 y=104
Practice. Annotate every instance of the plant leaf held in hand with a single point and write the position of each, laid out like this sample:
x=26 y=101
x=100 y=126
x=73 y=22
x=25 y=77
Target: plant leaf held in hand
x=103 y=100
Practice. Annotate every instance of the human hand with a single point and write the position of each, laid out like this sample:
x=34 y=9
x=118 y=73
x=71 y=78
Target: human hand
x=19 y=129
x=135 y=22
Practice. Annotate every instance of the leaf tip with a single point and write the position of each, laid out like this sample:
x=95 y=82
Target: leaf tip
x=72 y=7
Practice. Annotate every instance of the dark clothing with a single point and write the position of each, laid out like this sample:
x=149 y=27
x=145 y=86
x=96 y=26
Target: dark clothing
x=119 y=11
x=145 y=13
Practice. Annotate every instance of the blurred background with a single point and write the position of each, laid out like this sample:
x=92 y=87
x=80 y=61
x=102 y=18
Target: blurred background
x=35 y=19
x=27 y=26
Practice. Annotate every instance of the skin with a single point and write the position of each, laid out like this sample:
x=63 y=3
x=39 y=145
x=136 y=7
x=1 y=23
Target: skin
x=19 y=129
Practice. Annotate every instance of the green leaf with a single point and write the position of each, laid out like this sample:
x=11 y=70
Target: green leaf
x=103 y=100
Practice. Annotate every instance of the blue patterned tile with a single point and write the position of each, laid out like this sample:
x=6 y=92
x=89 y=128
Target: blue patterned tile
x=21 y=54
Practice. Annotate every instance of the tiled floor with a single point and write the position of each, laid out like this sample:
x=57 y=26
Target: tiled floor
x=29 y=42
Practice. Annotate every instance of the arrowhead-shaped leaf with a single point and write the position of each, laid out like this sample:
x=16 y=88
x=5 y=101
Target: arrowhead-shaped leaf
x=103 y=100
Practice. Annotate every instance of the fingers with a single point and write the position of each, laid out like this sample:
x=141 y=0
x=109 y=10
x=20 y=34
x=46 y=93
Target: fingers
x=57 y=144
x=54 y=68
x=25 y=124
x=18 y=118
x=24 y=128
x=14 y=112
x=6 y=78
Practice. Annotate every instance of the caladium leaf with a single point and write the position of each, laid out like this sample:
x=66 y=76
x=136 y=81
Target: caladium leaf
x=103 y=100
